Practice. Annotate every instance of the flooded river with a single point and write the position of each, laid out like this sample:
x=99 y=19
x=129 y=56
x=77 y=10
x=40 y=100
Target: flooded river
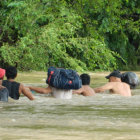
x=100 y=117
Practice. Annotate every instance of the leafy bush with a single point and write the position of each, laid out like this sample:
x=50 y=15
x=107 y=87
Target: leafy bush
x=82 y=35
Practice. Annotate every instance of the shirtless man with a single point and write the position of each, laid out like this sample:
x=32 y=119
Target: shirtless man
x=15 y=89
x=115 y=85
x=85 y=90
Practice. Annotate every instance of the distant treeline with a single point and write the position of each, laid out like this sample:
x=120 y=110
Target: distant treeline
x=77 y=34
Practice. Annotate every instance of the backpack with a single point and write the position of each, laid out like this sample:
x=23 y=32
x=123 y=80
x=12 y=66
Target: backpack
x=63 y=78
x=130 y=78
x=4 y=93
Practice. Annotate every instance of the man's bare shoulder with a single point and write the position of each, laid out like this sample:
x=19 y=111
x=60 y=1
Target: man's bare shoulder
x=120 y=83
x=87 y=90
x=86 y=87
x=109 y=85
x=125 y=84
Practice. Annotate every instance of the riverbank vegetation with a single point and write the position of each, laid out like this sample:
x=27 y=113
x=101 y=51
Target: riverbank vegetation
x=78 y=34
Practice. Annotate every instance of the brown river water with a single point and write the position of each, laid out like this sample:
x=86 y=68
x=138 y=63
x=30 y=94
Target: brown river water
x=100 y=117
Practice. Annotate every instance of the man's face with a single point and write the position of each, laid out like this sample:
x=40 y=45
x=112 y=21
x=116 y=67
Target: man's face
x=114 y=79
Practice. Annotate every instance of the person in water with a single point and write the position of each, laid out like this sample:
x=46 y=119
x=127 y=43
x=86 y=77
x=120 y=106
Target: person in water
x=85 y=90
x=4 y=93
x=115 y=85
x=15 y=89
x=55 y=92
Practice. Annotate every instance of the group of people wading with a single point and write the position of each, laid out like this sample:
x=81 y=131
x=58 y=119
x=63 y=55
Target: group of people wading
x=118 y=84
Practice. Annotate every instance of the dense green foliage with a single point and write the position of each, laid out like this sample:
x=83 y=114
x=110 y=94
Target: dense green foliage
x=77 y=34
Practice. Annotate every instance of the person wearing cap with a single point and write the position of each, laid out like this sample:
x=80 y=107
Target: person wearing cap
x=115 y=85
x=85 y=90
x=15 y=89
x=4 y=93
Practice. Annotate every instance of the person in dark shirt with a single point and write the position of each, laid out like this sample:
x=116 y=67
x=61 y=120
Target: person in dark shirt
x=15 y=89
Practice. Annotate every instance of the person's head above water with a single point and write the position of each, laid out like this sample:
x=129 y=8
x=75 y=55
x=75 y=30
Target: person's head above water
x=115 y=73
x=85 y=79
x=2 y=73
x=11 y=72
x=114 y=76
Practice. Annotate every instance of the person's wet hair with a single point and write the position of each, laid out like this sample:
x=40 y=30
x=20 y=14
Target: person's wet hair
x=11 y=72
x=85 y=79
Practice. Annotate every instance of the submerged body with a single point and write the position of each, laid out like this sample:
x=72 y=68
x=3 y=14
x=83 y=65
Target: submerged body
x=57 y=93
x=15 y=89
x=86 y=90
x=115 y=85
x=61 y=94
x=4 y=93
x=115 y=88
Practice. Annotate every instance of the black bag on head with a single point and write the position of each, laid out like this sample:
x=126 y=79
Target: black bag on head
x=130 y=78
x=63 y=78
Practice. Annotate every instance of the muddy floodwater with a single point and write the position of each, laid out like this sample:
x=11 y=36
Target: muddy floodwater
x=100 y=117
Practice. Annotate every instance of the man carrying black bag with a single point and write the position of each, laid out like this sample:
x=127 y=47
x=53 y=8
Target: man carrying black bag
x=60 y=83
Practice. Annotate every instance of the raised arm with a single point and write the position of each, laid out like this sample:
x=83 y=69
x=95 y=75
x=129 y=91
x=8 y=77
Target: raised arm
x=41 y=89
x=107 y=86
